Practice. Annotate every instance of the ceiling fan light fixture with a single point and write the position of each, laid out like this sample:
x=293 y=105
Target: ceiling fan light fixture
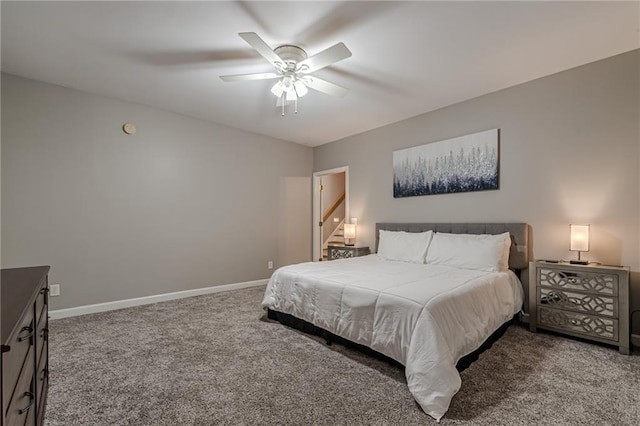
x=291 y=95
x=278 y=89
x=301 y=88
x=292 y=69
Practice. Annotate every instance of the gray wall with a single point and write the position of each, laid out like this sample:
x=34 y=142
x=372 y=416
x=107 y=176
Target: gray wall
x=569 y=153
x=183 y=204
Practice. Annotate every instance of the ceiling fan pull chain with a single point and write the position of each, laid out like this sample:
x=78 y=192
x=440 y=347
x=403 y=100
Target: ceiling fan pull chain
x=296 y=106
x=282 y=99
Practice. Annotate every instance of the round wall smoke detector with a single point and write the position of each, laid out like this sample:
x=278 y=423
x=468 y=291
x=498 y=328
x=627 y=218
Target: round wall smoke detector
x=129 y=129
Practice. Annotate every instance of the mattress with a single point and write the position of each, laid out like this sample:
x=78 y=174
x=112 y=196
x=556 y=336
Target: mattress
x=426 y=317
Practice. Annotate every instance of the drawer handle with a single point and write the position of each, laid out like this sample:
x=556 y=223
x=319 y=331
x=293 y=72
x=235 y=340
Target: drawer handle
x=31 y=400
x=44 y=374
x=44 y=333
x=44 y=290
x=574 y=322
x=26 y=336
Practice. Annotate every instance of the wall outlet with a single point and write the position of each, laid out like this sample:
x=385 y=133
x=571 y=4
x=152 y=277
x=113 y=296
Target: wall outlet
x=270 y=264
x=54 y=290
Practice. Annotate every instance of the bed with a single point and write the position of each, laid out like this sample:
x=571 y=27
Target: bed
x=425 y=316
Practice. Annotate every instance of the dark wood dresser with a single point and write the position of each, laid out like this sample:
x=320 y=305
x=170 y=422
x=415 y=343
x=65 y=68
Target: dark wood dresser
x=24 y=363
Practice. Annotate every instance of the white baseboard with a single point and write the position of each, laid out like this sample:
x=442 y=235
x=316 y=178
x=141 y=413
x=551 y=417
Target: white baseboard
x=147 y=300
x=635 y=340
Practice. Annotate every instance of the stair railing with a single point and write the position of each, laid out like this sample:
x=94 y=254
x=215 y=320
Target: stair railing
x=329 y=226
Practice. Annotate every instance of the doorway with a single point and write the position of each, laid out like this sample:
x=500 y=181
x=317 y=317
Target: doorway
x=330 y=209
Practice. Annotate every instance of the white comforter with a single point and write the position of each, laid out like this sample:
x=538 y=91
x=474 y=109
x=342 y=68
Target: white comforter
x=426 y=317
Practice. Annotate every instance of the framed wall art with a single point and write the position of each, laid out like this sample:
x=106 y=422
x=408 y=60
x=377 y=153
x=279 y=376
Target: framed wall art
x=462 y=164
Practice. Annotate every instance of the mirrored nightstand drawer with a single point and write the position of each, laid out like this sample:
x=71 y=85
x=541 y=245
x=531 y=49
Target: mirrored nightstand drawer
x=344 y=252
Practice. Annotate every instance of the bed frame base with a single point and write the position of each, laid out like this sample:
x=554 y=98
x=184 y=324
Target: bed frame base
x=307 y=327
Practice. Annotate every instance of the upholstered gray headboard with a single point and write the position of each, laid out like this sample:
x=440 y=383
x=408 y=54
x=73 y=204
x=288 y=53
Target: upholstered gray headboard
x=518 y=257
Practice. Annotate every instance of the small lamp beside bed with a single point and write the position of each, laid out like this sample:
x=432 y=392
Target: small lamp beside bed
x=579 y=242
x=350 y=233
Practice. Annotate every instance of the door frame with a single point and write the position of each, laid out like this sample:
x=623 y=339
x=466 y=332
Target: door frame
x=317 y=237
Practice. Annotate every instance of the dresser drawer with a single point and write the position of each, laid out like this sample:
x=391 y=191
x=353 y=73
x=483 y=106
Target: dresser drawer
x=41 y=337
x=41 y=300
x=593 y=304
x=42 y=373
x=42 y=402
x=31 y=417
x=591 y=282
x=14 y=361
x=345 y=252
x=23 y=399
x=588 y=325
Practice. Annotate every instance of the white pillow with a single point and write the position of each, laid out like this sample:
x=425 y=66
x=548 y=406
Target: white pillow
x=482 y=252
x=404 y=246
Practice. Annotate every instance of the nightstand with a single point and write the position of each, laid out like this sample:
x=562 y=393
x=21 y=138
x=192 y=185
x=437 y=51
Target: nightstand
x=587 y=301
x=343 y=252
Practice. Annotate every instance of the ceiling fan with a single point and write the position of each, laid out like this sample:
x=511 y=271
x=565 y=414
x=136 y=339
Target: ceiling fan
x=292 y=69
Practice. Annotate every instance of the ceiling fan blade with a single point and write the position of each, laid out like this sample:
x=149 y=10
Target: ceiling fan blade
x=324 y=86
x=263 y=49
x=325 y=58
x=244 y=77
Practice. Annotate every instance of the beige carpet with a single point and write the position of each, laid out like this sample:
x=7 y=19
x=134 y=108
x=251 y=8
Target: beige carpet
x=211 y=360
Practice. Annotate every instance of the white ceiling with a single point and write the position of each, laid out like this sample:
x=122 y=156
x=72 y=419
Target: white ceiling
x=408 y=57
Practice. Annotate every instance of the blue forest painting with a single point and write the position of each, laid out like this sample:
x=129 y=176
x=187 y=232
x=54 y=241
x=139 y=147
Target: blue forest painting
x=462 y=164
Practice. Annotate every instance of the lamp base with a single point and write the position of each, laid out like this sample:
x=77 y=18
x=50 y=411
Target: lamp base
x=579 y=262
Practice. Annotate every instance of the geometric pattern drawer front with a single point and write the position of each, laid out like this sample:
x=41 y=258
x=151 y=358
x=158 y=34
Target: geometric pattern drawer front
x=340 y=252
x=585 y=281
x=604 y=328
x=579 y=302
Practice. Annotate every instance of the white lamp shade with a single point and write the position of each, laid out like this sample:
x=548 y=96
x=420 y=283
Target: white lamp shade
x=350 y=230
x=277 y=89
x=579 y=237
x=291 y=95
x=301 y=89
